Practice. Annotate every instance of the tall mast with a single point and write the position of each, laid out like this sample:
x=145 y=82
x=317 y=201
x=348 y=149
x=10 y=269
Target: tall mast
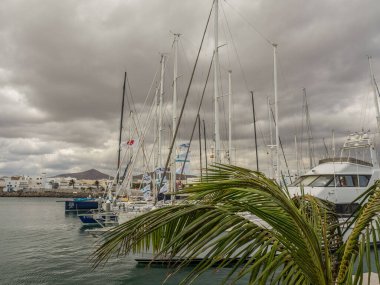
x=254 y=129
x=309 y=134
x=374 y=93
x=175 y=77
x=216 y=84
x=160 y=111
x=155 y=129
x=229 y=117
x=204 y=138
x=276 y=114
x=155 y=152
x=296 y=149
x=271 y=140
x=120 y=130
x=200 y=146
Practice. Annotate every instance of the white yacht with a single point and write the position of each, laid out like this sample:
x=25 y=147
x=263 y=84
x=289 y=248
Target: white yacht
x=342 y=179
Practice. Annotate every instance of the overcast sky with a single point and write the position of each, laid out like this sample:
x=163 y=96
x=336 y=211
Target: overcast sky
x=62 y=65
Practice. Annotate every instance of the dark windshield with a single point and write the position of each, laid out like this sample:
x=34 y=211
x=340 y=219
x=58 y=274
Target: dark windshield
x=332 y=181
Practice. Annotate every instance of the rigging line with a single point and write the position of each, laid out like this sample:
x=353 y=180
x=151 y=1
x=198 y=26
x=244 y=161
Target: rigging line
x=250 y=24
x=282 y=72
x=140 y=142
x=199 y=108
x=377 y=87
x=149 y=91
x=137 y=119
x=223 y=105
x=137 y=126
x=197 y=87
x=225 y=35
x=186 y=96
x=237 y=54
x=365 y=109
x=130 y=94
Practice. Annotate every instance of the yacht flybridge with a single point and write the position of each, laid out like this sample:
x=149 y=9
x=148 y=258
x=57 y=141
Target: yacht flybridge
x=342 y=179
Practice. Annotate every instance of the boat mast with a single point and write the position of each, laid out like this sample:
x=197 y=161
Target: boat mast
x=374 y=93
x=174 y=110
x=254 y=129
x=229 y=117
x=309 y=133
x=271 y=140
x=160 y=111
x=205 y=145
x=200 y=146
x=296 y=149
x=155 y=152
x=216 y=84
x=120 y=131
x=278 y=179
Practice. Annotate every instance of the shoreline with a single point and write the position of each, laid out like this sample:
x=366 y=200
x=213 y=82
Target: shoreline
x=53 y=194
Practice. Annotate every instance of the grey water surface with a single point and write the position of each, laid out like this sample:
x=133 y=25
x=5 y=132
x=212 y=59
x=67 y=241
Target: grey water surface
x=40 y=244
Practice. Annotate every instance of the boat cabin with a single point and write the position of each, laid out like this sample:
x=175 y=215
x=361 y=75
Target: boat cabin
x=342 y=179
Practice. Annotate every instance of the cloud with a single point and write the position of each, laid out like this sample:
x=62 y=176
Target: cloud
x=62 y=65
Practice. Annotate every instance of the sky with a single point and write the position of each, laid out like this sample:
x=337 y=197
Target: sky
x=62 y=66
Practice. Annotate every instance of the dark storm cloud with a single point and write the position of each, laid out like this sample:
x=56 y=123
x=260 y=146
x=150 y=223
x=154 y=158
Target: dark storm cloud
x=62 y=65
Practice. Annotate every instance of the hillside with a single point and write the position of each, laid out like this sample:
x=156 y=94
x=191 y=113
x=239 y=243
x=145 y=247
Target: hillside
x=91 y=174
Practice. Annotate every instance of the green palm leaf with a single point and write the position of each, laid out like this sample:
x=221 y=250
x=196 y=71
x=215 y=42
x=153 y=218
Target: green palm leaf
x=241 y=218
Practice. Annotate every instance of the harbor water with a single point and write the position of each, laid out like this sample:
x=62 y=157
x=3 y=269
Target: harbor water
x=40 y=244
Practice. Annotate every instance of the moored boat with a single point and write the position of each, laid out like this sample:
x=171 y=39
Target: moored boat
x=81 y=204
x=344 y=178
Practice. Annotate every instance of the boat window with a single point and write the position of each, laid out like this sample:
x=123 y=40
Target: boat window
x=363 y=180
x=350 y=181
x=334 y=182
x=346 y=181
x=296 y=182
x=307 y=180
x=322 y=181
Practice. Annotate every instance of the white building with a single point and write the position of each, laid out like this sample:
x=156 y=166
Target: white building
x=13 y=183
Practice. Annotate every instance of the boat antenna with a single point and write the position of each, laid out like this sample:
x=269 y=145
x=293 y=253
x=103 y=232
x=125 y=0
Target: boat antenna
x=185 y=99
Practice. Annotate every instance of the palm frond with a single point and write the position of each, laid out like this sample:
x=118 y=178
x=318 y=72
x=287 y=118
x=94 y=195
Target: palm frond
x=240 y=218
x=365 y=225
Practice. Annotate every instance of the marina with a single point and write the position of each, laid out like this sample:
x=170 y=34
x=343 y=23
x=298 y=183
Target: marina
x=216 y=166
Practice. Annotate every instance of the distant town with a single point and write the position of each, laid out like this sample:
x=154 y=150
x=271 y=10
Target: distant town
x=83 y=181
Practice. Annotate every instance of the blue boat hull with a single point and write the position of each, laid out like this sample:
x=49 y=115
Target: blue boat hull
x=90 y=220
x=80 y=205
